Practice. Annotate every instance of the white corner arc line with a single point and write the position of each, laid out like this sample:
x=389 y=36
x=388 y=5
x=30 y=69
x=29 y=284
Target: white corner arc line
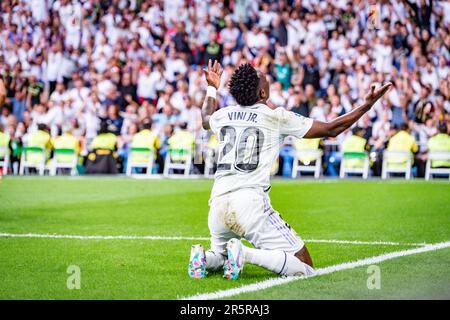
x=322 y=271
x=134 y=237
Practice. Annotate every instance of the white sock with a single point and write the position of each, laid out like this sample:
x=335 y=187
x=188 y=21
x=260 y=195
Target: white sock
x=214 y=261
x=277 y=261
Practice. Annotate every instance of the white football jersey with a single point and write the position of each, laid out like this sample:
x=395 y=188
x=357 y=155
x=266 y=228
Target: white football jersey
x=249 y=142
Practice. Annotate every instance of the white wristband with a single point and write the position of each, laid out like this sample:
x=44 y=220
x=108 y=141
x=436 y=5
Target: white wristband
x=211 y=92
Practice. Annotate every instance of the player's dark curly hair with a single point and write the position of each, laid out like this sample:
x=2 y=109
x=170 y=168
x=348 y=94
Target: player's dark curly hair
x=244 y=85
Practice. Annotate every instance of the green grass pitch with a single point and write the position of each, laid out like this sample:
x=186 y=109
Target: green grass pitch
x=36 y=268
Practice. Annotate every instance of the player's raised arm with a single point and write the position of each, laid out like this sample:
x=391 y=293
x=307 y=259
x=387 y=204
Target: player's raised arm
x=333 y=128
x=212 y=75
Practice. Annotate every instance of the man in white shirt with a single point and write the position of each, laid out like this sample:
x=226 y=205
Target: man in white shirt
x=265 y=16
x=60 y=94
x=257 y=40
x=149 y=82
x=54 y=61
x=79 y=95
x=174 y=66
x=230 y=34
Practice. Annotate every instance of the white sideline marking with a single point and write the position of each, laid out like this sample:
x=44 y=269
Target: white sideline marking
x=69 y=236
x=160 y=176
x=384 y=243
x=118 y=237
x=322 y=271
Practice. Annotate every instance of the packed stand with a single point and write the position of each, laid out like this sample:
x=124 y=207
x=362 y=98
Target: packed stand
x=94 y=68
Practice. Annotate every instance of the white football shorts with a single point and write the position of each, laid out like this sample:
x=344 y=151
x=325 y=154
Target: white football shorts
x=247 y=213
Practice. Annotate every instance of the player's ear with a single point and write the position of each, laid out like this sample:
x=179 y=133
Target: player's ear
x=262 y=94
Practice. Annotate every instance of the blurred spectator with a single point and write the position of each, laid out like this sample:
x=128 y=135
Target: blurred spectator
x=66 y=141
x=403 y=141
x=355 y=143
x=283 y=71
x=440 y=143
x=230 y=34
x=39 y=139
x=181 y=144
x=213 y=49
x=146 y=139
x=310 y=73
x=102 y=160
x=114 y=120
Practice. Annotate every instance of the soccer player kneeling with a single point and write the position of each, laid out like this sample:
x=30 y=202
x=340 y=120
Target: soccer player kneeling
x=250 y=136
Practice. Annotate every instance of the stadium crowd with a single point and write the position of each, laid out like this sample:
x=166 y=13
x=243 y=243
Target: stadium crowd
x=122 y=66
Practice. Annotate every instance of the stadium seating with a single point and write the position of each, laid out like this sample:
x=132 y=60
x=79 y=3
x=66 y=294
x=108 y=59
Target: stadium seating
x=307 y=157
x=4 y=160
x=313 y=162
x=140 y=158
x=396 y=162
x=354 y=163
x=429 y=171
x=64 y=159
x=33 y=157
x=178 y=159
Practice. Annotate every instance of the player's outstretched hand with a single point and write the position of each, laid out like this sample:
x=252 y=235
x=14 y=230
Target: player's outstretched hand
x=213 y=74
x=376 y=94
